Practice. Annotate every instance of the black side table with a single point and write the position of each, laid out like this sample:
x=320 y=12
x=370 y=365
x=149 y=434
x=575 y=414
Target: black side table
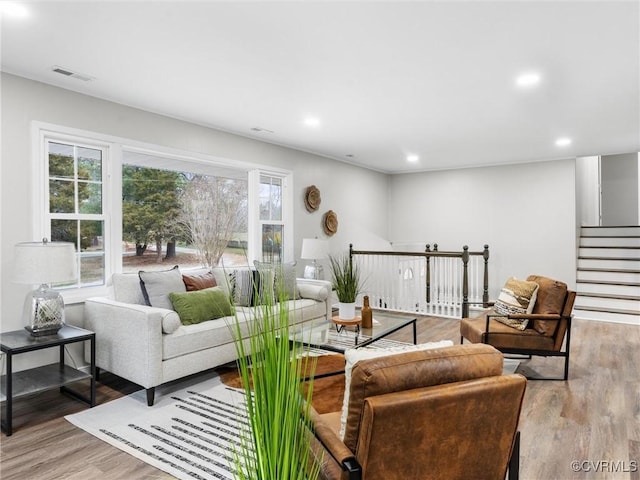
x=34 y=380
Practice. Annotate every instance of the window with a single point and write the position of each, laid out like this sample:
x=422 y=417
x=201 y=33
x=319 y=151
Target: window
x=271 y=219
x=129 y=206
x=184 y=213
x=74 y=204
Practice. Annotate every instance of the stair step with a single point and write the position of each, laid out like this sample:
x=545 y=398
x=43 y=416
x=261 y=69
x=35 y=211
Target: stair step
x=604 y=282
x=632 y=264
x=586 y=308
x=609 y=302
x=610 y=241
x=609 y=252
x=613 y=289
x=609 y=296
x=605 y=274
x=606 y=316
x=613 y=231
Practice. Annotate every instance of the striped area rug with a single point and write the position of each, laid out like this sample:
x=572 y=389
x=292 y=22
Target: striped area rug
x=189 y=433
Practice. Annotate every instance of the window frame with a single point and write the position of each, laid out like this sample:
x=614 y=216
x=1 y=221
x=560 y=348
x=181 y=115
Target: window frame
x=112 y=197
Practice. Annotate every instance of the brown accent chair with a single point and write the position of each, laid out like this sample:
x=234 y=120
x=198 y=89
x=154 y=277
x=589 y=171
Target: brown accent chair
x=549 y=324
x=431 y=414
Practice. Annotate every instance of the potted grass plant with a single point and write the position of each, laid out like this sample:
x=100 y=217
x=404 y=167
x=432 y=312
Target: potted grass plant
x=345 y=279
x=276 y=443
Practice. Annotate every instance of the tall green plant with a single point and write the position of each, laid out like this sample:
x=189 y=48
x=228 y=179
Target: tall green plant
x=277 y=442
x=345 y=276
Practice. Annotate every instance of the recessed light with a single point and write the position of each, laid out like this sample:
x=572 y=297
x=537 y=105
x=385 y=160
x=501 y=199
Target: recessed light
x=412 y=158
x=13 y=9
x=528 y=79
x=312 y=122
x=563 y=142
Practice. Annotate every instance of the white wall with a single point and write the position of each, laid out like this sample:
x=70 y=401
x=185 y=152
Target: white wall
x=619 y=179
x=525 y=213
x=588 y=191
x=25 y=101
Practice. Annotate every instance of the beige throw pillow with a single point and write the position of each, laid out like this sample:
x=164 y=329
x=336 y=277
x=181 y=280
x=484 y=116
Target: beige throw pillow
x=517 y=296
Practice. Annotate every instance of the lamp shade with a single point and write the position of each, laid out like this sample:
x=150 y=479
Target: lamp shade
x=314 y=249
x=44 y=262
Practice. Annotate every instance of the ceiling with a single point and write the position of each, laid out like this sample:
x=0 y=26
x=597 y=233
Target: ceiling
x=385 y=79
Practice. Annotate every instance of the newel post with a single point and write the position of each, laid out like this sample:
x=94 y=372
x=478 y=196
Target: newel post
x=428 y=272
x=465 y=281
x=485 y=286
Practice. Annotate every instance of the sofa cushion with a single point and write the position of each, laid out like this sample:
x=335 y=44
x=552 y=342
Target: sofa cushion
x=244 y=285
x=283 y=278
x=354 y=355
x=201 y=305
x=551 y=296
x=517 y=296
x=127 y=288
x=200 y=281
x=156 y=286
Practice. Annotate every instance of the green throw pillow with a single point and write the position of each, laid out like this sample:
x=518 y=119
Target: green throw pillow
x=201 y=305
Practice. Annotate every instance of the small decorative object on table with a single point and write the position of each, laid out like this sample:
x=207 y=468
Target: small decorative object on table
x=345 y=280
x=367 y=314
x=342 y=323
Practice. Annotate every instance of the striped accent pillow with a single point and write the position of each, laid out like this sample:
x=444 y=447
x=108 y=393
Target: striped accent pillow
x=517 y=296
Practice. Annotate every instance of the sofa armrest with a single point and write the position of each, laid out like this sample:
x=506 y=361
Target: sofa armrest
x=319 y=290
x=128 y=338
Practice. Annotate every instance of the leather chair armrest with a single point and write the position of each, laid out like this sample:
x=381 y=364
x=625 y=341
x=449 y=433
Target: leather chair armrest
x=522 y=316
x=332 y=443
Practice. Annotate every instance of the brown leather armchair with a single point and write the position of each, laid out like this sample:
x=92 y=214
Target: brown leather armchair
x=431 y=414
x=549 y=324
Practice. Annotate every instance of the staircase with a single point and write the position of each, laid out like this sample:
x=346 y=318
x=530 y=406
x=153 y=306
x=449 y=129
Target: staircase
x=608 y=275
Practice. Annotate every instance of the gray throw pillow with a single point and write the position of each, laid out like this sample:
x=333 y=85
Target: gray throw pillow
x=156 y=286
x=284 y=279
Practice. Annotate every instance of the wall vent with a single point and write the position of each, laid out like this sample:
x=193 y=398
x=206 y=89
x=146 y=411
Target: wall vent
x=70 y=73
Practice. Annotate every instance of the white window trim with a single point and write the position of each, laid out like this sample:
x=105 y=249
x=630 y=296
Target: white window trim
x=255 y=223
x=112 y=203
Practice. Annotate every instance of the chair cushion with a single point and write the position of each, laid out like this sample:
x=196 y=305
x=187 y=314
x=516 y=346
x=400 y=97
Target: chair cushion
x=517 y=296
x=409 y=370
x=551 y=296
x=503 y=337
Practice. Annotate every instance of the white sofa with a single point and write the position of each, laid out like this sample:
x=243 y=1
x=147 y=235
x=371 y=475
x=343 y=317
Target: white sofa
x=149 y=346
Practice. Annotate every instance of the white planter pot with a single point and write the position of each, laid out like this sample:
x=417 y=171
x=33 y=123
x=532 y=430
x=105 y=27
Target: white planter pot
x=346 y=311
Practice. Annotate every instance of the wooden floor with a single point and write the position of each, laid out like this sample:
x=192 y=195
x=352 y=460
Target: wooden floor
x=591 y=419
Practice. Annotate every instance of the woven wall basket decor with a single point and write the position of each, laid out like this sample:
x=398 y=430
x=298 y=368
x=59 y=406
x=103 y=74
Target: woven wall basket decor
x=312 y=198
x=330 y=223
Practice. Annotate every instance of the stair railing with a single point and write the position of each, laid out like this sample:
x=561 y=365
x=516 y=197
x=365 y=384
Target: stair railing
x=439 y=283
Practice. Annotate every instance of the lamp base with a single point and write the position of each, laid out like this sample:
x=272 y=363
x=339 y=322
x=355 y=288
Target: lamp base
x=314 y=272
x=42 y=332
x=43 y=312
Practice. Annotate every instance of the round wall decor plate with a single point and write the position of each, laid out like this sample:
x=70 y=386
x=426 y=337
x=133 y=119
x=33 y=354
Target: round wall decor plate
x=312 y=198
x=330 y=222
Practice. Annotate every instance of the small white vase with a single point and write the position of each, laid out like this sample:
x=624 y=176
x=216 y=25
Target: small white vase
x=346 y=311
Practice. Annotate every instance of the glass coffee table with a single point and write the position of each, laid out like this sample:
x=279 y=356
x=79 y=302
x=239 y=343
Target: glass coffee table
x=328 y=337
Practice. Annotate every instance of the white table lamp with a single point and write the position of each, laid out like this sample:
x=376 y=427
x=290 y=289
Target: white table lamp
x=44 y=263
x=314 y=249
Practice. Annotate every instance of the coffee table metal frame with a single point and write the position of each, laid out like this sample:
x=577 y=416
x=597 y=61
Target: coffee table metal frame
x=371 y=335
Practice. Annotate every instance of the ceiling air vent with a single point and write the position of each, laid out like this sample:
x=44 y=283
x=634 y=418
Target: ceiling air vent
x=69 y=73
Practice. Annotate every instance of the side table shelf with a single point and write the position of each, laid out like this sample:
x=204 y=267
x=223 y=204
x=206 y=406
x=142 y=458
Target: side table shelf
x=14 y=385
x=40 y=379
